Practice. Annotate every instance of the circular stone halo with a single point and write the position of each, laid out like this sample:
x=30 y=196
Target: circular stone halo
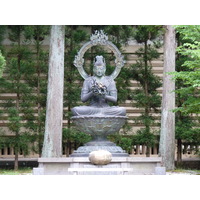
x=99 y=38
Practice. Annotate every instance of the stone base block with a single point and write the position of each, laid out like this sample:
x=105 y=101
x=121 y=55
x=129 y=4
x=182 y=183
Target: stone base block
x=117 y=166
x=160 y=170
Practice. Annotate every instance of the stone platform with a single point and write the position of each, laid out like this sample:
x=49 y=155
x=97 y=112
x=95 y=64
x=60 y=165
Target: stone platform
x=82 y=166
x=84 y=151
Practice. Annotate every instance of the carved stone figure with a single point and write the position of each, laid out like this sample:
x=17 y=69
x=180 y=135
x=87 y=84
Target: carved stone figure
x=99 y=119
x=99 y=90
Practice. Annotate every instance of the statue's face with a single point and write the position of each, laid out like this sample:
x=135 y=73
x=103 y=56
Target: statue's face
x=99 y=70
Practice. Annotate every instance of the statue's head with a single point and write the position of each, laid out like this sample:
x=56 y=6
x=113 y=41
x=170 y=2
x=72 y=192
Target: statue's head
x=99 y=66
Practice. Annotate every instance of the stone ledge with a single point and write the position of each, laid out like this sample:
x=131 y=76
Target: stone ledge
x=99 y=169
x=117 y=166
x=114 y=159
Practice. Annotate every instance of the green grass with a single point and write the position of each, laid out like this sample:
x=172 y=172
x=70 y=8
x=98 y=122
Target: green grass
x=193 y=171
x=21 y=171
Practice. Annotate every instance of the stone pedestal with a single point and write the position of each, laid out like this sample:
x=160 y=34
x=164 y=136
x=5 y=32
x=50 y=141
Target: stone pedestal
x=96 y=145
x=82 y=166
x=160 y=170
x=99 y=127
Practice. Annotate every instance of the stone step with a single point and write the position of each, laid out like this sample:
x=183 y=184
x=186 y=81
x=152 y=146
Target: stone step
x=99 y=171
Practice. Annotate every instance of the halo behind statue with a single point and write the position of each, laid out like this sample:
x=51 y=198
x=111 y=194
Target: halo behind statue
x=99 y=38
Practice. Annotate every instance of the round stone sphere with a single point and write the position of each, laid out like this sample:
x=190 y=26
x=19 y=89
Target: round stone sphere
x=100 y=157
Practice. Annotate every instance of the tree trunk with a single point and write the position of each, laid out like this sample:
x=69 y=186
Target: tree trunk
x=167 y=134
x=16 y=148
x=148 y=151
x=16 y=163
x=54 y=115
x=179 y=151
x=146 y=109
x=38 y=97
x=68 y=150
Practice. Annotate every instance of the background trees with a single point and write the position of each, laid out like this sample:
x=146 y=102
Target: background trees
x=35 y=36
x=146 y=96
x=187 y=77
x=19 y=109
x=190 y=69
x=74 y=37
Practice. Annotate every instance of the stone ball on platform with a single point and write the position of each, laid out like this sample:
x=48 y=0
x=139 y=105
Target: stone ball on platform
x=100 y=157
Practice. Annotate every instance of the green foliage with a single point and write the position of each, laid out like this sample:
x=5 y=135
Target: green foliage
x=74 y=136
x=20 y=171
x=145 y=137
x=2 y=59
x=150 y=101
x=125 y=142
x=38 y=81
x=189 y=74
x=2 y=32
x=187 y=78
x=146 y=96
x=72 y=79
x=18 y=80
x=123 y=84
x=119 y=34
x=20 y=143
x=2 y=64
x=144 y=33
x=36 y=34
x=186 y=129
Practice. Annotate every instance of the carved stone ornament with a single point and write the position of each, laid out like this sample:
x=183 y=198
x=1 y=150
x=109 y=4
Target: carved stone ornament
x=100 y=157
x=99 y=38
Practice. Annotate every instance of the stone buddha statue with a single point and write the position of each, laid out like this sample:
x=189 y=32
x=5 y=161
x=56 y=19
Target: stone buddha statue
x=98 y=90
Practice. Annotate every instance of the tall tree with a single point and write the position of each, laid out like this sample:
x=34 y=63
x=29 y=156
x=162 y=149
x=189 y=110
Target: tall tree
x=146 y=96
x=167 y=134
x=38 y=80
x=187 y=67
x=74 y=37
x=54 y=112
x=120 y=35
x=19 y=109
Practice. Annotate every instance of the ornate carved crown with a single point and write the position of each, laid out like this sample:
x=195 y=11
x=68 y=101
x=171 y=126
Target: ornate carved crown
x=99 y=37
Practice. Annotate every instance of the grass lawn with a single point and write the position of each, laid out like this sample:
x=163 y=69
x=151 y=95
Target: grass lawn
x=21 y=171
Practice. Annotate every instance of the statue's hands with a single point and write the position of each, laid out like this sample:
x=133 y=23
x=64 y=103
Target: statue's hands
x=99 y=89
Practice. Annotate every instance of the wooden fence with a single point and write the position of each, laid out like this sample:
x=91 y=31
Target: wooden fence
x=137 y=150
